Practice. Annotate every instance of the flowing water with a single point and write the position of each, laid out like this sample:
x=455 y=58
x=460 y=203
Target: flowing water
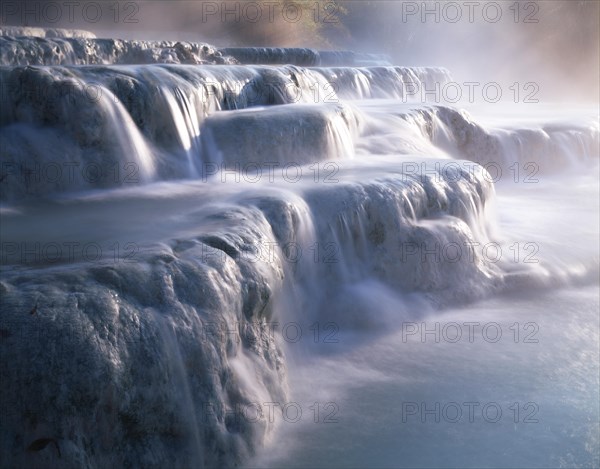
x=289 y=265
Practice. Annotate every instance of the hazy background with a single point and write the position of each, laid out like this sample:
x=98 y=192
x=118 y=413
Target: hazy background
x=553 y=43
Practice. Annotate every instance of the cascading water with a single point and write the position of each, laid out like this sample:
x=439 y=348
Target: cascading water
x=161 y=221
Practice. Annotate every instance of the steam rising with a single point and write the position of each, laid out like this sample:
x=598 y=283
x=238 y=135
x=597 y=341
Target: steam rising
x=171 y=202
x=554 y=44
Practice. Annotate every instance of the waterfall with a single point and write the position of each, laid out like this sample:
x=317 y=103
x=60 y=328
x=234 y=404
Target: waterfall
x=168 y=206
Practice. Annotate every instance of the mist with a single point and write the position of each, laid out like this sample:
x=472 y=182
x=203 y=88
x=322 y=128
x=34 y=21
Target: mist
x=312 y=234
x=552 y=44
